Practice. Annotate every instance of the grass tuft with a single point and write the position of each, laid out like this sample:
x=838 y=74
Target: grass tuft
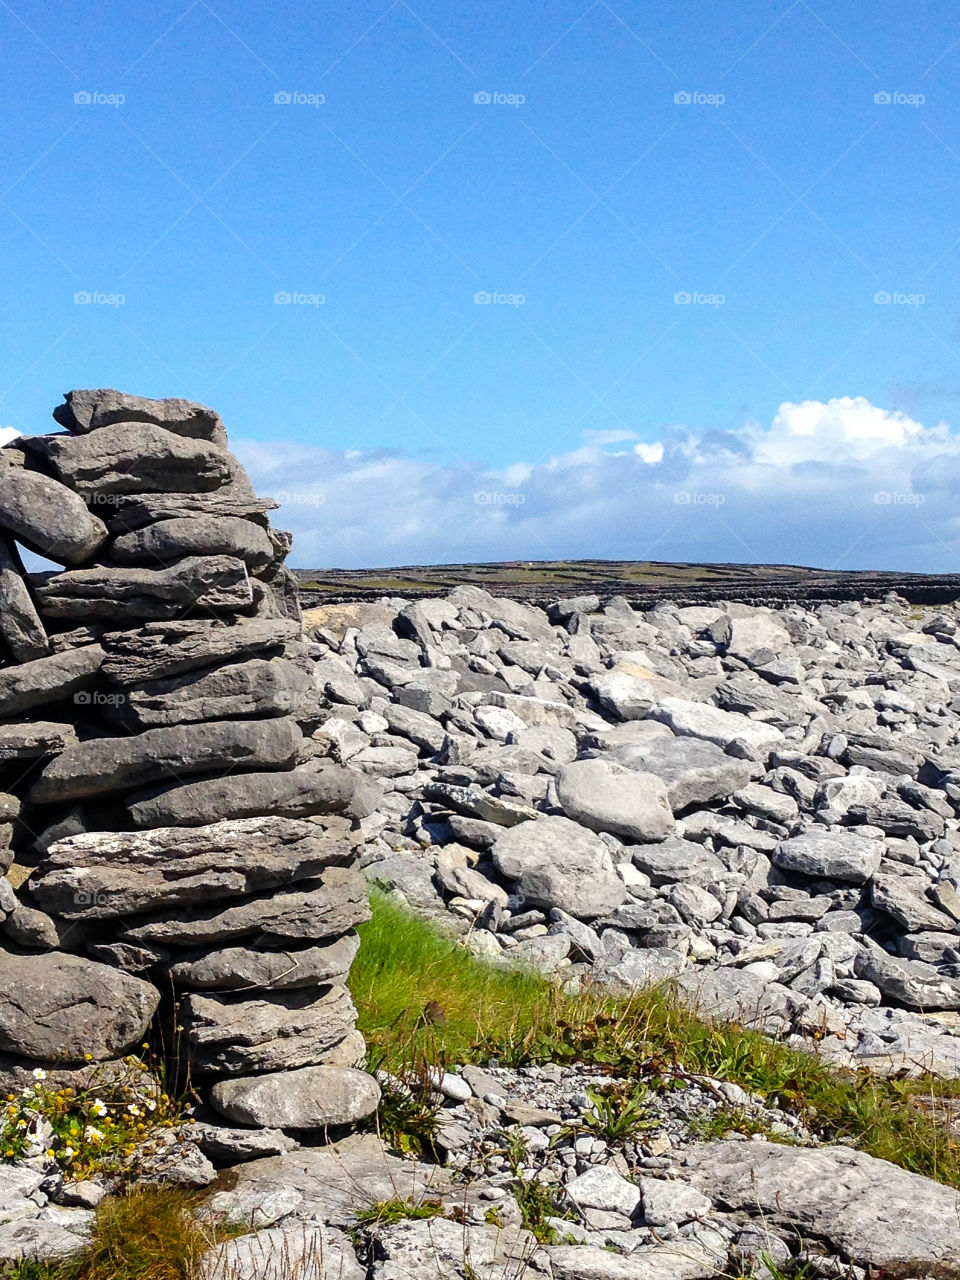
x=423 y=998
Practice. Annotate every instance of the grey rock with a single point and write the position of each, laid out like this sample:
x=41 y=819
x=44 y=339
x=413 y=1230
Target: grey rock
x=678 y=860
x=162 y=649
x=733 y=995
x=213 y=583
x=104 y=766
x=633 y=968
x=682 y=1260
x=133 y=458
x=605 y=796
x=624 y=694
x=219 y=1142
x=89 y=409
x=40 y=1240
x=276 y=1031
x=835 y=855
x=910 y=982
x=101 y=875
x=199 y=535
x=48 y=517
x=257 y=687
x=868 y=1210
x=20 y=625
x=35 y=740
x=236 y=499
x=297 y=793
x=601 y=1187
x=250 y=969
x=471 y=802
x=437 y=1248
x=308 y=1098
x=60 y=1007
x=741 y=637
x=700 y=720
x=20 y=1193
x=177 y=1164
x=696 y=771
x=900 y=898
x=668 y=1202
x=557 y=863
x=309 y=1251
x=36 y=930
x=311 y=914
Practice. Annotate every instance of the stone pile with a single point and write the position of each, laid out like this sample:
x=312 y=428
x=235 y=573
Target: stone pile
x=763 y=806
x=173 y=845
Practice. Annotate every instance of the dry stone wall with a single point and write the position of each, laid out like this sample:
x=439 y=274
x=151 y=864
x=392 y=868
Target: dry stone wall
x=176 y=857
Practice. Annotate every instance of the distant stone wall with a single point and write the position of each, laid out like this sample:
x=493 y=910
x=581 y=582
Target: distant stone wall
x=176 y=854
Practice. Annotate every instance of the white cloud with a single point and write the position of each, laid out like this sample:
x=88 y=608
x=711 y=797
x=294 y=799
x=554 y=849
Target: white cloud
x=841 y=484
x=7 y=434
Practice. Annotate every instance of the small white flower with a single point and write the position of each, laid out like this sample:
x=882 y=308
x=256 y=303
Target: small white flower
x=151 y=1106
x=91 y=1134
x=68 y=1153
x=133 y=1109
x=99 y=1108
x=39 y=1073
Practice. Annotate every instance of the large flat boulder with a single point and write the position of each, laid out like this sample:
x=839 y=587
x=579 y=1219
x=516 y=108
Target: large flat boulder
x=325 y=909
x=701 y=720
x=52 y=679
x=605 y=796
x=309 y=1098
x=558 y=863
x=258 y=687
x=134 y=510
x=253 y=969
x=834 y=855
x=109 y=594
x=869 y=1211
x=272 y=1031
x=104 y=874
x=696 y=772
x=105 y=766
x=89 y=408
x=447 y=1250
x=307 y=1251
x=129 y=457
x=35 y=739
x=163 y=649
x=59 y=1007
x=48 y=517
x=296 y=793
x=197 y=535
x=910 y=982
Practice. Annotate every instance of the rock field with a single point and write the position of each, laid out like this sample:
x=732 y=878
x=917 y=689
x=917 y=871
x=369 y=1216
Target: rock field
x=762 y=806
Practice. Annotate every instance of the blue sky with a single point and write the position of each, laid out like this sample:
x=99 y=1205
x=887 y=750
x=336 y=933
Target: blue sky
x=145 y=158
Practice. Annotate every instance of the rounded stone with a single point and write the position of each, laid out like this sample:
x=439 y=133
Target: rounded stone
x=308 y=1098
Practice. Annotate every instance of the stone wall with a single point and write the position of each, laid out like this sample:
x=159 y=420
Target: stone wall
x=176 y=855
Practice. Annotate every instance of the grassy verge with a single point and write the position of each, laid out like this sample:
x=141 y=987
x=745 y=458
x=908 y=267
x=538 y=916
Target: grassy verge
x=423 y=999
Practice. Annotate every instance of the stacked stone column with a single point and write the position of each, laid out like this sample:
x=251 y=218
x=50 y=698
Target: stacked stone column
x=171 y=842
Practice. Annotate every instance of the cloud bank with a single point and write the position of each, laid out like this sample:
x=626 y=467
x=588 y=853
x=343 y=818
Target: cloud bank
x=837 y=484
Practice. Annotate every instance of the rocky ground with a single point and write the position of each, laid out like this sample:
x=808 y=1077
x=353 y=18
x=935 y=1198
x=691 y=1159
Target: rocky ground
x=763 y=806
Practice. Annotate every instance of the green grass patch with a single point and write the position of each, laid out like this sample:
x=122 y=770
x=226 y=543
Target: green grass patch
x=424 y=1000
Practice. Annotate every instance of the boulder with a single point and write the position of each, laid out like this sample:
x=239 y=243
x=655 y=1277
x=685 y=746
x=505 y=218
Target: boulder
x=101 y=874
x=869 y=1211
x=214 y=583
x=35 y=740
x=834 y=855
x=51 y=679
x=133 y=458
x=258 y=687
x=700 y=720
x=910 y=982
x=252 y=969
x=682 y=1260
x=48 y=517
x=438 y=1248
x=272 y=1031
x=557 y=863
x=105 y=766
x=20 y=625
x=198 y=535
x=678 y=860
x=237 y=499
x=322 y=910
x=308 y=1098
x=58 y=1008
x=163 y=649
x=89 y=409
x=695 y=771
x=308 y=1251
x=605 y=796
x=297 y=793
